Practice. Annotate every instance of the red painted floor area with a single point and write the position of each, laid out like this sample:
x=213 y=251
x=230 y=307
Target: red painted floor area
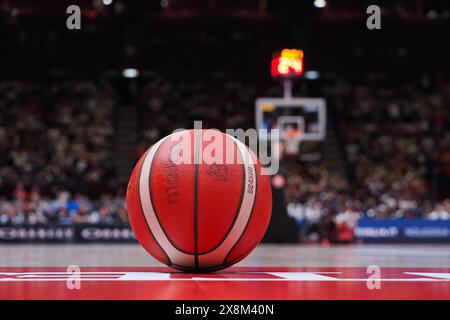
x=233 y=283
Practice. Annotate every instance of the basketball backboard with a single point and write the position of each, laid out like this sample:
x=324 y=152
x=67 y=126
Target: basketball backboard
x=302 y=119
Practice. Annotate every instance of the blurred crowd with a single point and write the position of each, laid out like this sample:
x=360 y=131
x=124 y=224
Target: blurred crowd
x=56 y=137
x=56 y=143
x=325 y=205
x=396 y=141
x=57 y=156
x=397 y=144
x=169 y=105
x=63 y=210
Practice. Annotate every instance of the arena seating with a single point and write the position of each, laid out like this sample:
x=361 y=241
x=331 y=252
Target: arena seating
x=56 y=143
x=57 y=140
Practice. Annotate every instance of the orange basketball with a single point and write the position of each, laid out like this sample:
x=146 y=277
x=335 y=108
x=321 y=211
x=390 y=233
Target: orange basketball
x=196 y=203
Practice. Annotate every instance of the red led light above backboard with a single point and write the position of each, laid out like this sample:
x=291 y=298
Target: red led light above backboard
x=287 y=64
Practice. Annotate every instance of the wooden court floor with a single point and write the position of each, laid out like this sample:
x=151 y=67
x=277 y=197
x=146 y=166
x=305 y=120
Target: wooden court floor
x=294 y=272
x=265 y=255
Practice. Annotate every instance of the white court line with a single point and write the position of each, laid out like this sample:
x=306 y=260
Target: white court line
x=431 y=274
x=161 y=276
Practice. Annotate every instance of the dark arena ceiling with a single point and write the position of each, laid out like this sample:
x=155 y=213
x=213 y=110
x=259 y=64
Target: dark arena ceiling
x=226 y=37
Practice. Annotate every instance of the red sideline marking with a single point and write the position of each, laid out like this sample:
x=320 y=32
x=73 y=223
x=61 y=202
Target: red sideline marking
x=233 y=283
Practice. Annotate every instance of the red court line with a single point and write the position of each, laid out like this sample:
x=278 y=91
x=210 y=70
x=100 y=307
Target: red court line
x=233 y=283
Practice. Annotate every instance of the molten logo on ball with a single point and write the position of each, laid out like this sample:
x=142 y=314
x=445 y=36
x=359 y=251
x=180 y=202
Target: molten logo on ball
x=199 y=216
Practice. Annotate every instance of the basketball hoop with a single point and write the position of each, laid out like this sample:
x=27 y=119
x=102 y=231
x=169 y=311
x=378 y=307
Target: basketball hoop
x=292 y=140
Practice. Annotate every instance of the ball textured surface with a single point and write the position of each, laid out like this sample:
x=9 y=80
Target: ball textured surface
x=199 y=216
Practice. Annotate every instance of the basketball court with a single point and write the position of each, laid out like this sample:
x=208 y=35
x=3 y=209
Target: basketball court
x=209 y=150
x=272 y=271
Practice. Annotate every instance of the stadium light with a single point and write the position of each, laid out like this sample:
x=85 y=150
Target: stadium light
x=130 y=73
x=312 y=75
x=320 y=3
x=164 y=3
x=107 y=2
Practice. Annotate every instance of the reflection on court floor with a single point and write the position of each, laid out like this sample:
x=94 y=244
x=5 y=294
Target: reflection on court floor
x=233 y=283
x=126 y=271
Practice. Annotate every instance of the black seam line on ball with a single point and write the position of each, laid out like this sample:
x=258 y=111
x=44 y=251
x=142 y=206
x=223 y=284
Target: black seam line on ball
x=153 y=204
x=244 y=254
x=255 y=190
x=237 y=259
x=181 y=266
x=236 y=215
x=142 y=210
x=197 y=148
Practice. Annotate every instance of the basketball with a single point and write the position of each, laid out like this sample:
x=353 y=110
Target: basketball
x=198 y=200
